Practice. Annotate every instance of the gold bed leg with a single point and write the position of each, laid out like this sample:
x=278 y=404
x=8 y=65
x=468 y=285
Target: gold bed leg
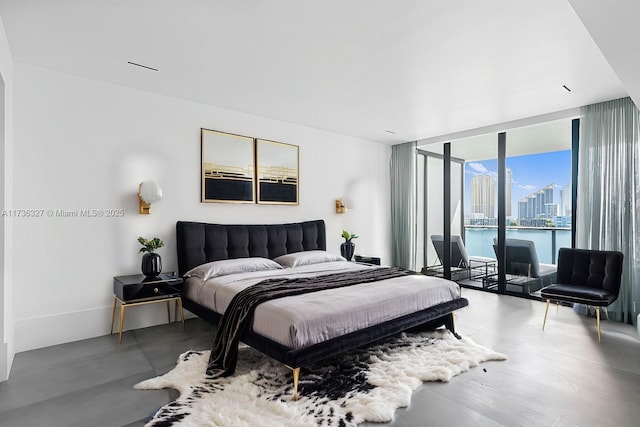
x=296 y=377
x=546 y=310
x=598 y=322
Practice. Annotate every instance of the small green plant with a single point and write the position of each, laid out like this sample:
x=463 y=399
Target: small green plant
x=348 y=236
x=150 y=245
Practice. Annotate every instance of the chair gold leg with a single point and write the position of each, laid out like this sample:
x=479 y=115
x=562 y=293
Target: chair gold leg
x=606 y=312
x=546 y=310
x=598 y=323
x=113 y=315
x=557 y=307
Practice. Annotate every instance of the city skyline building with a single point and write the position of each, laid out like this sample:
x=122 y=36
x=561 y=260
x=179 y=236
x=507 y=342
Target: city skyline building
x=483 y=195
x=565 y=200
x=535 y=204
x=548 y=206
x=551 y=210
x=509 y=184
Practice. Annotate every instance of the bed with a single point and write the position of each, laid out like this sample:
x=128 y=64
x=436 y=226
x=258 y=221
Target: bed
x=202 y=245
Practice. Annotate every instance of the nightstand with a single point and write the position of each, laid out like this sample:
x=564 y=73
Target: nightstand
x=137 y=289
x=367 y=260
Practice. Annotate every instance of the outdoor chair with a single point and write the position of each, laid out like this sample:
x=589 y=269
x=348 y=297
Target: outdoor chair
x=589 y=277
x=522 y=260
x=462 y=264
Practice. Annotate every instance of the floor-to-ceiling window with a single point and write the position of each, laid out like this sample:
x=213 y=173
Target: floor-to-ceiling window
x=537 y=199
x=539 y=158
x=430 y=206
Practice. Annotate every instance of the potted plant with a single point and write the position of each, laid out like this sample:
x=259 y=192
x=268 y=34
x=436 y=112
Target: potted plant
x=151 y=261
x=348 y=247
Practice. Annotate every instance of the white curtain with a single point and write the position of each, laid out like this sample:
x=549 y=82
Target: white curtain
x=404 y=205
x=608 y=192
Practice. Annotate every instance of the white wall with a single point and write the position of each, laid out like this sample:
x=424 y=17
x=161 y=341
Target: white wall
x=7 y=342
x=82 y=143
x=6 y=315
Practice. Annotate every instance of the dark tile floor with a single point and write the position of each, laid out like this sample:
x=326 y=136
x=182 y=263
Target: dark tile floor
x=90 y=382
x=559 y=377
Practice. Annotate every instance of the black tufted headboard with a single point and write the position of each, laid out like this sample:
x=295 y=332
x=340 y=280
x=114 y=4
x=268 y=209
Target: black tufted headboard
x=199 y=242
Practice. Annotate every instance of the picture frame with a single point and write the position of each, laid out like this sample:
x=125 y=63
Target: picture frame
x=227 y=167
x=277 y=172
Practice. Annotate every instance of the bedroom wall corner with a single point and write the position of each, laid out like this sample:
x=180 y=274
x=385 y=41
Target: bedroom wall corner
x=7 y=343
x=87 y=144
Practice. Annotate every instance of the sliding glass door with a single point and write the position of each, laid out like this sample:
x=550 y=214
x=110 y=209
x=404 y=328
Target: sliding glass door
x=504 y=189
x=431 y=184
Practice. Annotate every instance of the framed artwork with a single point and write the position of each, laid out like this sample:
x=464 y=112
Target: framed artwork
x=227 y=167
x=277 y=172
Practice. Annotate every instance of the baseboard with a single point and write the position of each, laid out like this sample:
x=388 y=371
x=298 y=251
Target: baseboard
x=62 y=328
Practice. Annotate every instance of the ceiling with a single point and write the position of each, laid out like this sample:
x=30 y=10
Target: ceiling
x=378 y=70
x=521 y=141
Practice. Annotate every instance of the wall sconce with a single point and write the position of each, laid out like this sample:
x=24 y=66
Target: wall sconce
x=148 y=192
x=342 y=205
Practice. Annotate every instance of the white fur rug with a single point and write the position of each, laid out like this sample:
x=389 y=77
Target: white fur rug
x=362 y=385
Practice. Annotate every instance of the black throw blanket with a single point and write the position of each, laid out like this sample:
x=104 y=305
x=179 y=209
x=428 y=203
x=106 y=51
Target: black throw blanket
x=238 y=316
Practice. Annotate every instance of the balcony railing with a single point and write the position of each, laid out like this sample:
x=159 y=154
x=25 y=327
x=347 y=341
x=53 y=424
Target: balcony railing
x=479 y=240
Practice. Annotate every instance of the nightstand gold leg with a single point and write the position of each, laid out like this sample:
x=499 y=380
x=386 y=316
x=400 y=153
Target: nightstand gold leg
x=179 y=302
x=113 y=314
x=122 y=306
x=168 y=313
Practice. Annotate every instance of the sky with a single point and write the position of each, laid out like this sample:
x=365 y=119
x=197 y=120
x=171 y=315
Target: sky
x=529 y=173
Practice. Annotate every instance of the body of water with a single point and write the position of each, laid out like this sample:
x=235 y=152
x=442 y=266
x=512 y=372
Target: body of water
x=479 y=241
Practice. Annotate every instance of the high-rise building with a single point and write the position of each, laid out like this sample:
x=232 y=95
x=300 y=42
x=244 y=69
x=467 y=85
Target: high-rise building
x=482 y=195
x=565 y=200
x=551 y=210
x=508 y=183
x=535 y=204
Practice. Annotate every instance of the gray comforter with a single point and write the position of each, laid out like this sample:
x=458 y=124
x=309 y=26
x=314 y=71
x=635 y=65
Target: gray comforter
x=302 y=320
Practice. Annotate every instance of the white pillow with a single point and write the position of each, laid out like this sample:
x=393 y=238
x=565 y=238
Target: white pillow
x=297 y=259
x=231 y=266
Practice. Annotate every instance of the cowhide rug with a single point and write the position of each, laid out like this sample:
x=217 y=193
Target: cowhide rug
x=361 y=385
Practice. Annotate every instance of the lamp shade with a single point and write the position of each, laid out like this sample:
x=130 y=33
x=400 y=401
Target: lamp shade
x=150 y=192
x=347 y=202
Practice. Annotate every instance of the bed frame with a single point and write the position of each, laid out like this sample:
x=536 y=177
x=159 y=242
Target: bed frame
x=198 y=243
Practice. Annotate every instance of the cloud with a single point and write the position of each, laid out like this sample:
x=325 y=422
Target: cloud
x=478 y=168
x=528 y=187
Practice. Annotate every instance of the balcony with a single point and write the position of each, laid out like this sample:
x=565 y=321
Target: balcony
x=478 y=240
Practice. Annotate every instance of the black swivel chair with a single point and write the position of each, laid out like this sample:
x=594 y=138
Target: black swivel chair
x=588 y=277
